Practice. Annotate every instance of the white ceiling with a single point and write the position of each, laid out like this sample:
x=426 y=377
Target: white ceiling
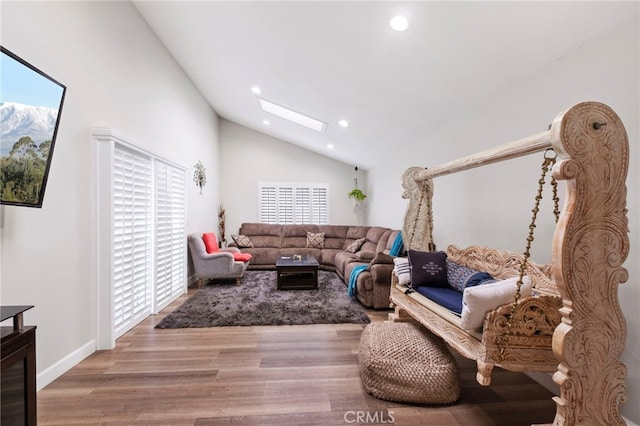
x=337 y=60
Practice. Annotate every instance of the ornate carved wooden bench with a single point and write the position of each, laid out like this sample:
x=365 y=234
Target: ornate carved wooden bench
x=575 y=325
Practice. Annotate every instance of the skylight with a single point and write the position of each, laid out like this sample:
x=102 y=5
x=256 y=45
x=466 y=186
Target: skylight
x=293 y=116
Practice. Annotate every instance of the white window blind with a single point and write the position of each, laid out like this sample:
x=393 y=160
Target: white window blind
x=293 y=203
x=170 y=255
x=141 y=234
x=132 y=249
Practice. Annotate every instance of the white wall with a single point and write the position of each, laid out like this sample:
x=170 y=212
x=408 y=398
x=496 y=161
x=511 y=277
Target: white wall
x=117 y=75
x=249 y=157
x=492 y=205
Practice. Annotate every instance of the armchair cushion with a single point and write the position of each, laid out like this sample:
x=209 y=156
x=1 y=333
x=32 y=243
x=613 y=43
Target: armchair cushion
x=242 y=257
x=210 y=242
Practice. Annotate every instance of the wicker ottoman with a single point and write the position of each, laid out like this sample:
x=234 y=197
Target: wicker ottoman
x=403 y=362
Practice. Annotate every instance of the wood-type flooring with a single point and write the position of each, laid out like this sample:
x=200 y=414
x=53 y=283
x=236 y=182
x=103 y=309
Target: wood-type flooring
x=267 y=375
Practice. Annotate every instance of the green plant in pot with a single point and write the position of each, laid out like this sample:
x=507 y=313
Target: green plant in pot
x=357 y=196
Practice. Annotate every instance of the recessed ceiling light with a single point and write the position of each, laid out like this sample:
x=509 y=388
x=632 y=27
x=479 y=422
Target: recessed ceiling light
x=343 y=123
x=330 y=146
x=399 y=23
x=292 y=115
x=266 y=122
x=256 y=90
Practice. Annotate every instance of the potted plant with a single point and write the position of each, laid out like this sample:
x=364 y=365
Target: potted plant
x=357 y=196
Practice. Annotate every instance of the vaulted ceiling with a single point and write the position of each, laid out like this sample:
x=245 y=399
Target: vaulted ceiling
x=340 y=60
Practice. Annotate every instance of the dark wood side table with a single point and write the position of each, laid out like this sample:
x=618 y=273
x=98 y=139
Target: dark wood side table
x=297 y=272
x=18 y=370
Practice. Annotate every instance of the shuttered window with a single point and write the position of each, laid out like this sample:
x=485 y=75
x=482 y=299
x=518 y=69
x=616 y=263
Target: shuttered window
x=141 y=235
x=293 y=203
x=170 y=254
x=132 y=249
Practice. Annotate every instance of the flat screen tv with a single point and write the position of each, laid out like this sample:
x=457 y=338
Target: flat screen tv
x=30 y=109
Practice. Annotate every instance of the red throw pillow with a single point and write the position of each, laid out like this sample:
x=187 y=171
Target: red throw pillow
x=242 y=257
x=210 y=242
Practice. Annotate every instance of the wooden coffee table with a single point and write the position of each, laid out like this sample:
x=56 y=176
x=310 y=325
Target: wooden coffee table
x=297 y=272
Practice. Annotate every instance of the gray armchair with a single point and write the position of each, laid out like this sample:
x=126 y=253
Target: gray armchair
x=221 y=264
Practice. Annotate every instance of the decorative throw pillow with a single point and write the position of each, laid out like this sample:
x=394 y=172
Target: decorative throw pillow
x=478 y=300
x=428 y=268
x=242 y=257
x=402 y=270
x=242 y=241
x=210 y=242
x=460 y=276
x=315 y=240
x=355 y=246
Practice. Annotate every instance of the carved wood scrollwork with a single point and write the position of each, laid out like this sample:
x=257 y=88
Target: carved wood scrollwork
x=591 y=243
x=534 y=322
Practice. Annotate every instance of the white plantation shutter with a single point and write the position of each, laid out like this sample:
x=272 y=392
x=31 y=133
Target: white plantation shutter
x=285 y=205
x=268 y=204
x=132 y=249
x=170 y=231
x=141 y=238
x=303 y=205
x=320 y=205
x=293 y=203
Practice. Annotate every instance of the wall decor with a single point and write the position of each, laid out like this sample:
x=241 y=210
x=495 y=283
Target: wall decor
x=222 y=218
x=200 y=175
x=30 y=110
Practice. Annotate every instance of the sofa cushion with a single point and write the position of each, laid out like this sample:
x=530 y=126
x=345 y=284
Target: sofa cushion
x=355 y=246
x=263 y=235
x=210 y=242
x=461 y=277
x=428 y=268
x=447 y=297
x=374 y=234
x=365 y=256
x=402 y=270
x=334 y=236
x=242 y=241
x=480 y=299
x=315 y=240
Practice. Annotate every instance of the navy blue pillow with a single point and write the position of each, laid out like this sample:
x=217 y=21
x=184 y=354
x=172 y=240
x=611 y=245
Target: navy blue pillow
x=461 y=277
x=428 y=268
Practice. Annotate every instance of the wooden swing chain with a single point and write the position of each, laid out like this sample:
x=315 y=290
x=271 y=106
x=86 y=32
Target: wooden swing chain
x=547 y=164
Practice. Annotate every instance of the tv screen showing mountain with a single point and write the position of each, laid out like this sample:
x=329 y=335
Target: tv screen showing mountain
x=30 y=110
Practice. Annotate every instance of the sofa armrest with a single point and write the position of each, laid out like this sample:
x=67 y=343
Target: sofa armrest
x=381 y=273
x=382 y=258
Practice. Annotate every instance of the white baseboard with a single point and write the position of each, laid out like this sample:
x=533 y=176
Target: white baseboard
x=65 y=364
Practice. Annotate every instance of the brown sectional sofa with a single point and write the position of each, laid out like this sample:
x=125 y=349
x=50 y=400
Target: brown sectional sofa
x=373 y=285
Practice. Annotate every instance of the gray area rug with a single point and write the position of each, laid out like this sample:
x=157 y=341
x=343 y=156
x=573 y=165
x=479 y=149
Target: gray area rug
x=257 y=301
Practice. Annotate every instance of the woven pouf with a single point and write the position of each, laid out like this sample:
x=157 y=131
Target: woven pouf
x=403 y=362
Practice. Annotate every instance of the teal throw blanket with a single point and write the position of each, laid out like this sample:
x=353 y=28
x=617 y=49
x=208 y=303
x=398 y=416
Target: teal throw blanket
x=353 y=278
x=397 y=246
